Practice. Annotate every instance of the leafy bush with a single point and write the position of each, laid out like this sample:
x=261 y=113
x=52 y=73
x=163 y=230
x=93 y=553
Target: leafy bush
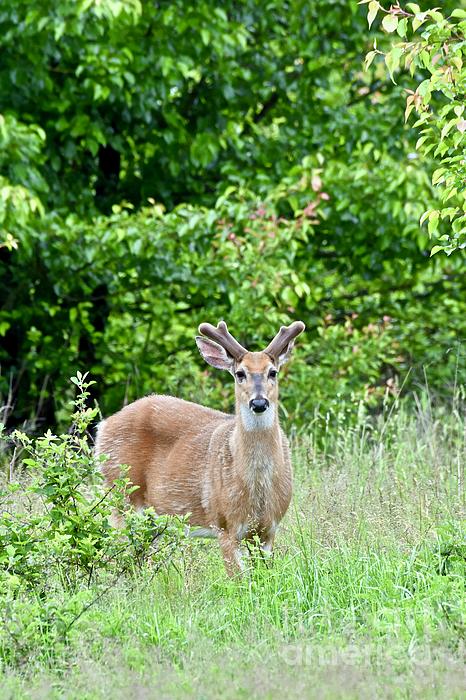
x=129 y=307
x=58 y=551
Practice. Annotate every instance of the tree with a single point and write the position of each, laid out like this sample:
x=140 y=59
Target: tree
x=433 y=47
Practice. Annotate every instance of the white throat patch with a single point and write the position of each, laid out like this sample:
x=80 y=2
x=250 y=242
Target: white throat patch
x=257 y=421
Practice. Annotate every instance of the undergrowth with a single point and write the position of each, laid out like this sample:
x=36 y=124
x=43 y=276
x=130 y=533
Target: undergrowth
x=59 y=554
x=365 y=595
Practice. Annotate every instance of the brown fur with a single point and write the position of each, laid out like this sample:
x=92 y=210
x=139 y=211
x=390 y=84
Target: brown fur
x=231 y=473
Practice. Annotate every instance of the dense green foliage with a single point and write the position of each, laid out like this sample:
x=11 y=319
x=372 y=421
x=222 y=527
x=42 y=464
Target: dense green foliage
x=434 y=43
x=167 y=163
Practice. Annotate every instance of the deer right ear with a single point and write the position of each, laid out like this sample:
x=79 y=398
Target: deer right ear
x=214 y=354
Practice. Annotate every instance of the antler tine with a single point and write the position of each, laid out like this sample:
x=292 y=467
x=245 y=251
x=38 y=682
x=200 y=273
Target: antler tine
x=284 y=336
x=223 y=337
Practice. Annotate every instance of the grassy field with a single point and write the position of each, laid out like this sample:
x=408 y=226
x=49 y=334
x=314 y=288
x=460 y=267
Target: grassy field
x=365 y=596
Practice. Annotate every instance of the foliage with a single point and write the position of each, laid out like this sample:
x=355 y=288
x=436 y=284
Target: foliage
x=20 y=179
x=433 y=45
x=56 y=539
x=139 y=100
x=192 y=162
x=128 y=309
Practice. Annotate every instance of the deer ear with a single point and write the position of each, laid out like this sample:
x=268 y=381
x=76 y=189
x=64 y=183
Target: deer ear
x=285 y=354
x=214 y=354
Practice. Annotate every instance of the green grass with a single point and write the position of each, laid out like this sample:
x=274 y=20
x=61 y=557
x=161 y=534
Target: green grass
x=365 y=596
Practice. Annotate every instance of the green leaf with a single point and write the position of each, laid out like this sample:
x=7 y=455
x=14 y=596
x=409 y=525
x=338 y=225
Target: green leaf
x=419 y=20
x=437 y=175
x=390 y=23
x=432 y=226
x=373 y=8
x=447 y=128
x=402 y=27
x=392 y=60
x=424 y=88
x=369 y=58
x=424 y=217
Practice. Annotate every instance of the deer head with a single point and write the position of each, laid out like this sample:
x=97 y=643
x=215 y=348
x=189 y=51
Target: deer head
x=255 y=373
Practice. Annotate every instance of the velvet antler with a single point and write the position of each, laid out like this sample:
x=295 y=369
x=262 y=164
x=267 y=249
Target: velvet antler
x=223 y=337
x=284 y=340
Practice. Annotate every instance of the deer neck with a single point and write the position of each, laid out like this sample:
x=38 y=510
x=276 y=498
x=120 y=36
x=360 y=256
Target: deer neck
x=256 y=443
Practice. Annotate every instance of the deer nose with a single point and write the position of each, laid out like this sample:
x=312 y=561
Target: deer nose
x=258 y=405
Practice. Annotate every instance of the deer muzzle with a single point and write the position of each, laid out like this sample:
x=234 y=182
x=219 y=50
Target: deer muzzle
x=259 y=405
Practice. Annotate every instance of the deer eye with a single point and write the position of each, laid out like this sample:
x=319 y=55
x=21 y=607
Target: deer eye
x=240 y=375
x=273 y=374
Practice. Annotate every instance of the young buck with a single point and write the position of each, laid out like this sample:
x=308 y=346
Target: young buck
x=231 y=473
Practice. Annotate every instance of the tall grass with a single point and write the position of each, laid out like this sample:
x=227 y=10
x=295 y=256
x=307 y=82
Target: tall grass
x=365 y=595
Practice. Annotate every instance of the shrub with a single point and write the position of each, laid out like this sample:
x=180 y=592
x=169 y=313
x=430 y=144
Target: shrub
x=58 y=551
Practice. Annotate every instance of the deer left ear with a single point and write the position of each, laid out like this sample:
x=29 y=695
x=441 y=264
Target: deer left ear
x=214 y=354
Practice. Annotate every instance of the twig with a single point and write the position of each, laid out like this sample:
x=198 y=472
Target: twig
x=102 y=499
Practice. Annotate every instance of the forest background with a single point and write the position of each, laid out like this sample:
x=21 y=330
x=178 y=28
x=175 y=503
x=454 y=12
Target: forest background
x=163 y=164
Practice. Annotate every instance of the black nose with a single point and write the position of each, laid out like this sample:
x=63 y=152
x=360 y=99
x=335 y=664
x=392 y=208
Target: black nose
x=259 y=405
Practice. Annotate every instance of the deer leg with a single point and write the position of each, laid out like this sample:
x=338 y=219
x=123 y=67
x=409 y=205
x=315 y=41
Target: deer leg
x=267 y=538
x=231 y=551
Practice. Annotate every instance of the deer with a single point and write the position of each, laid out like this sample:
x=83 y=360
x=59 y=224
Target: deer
x=231 y=475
